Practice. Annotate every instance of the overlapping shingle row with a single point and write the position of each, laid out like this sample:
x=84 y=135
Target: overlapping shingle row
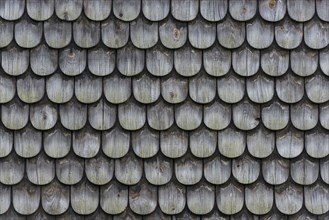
x=160 y=109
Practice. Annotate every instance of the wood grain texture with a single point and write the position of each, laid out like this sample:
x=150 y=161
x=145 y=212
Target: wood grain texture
x=43 y=60
x=130 y=60
x=296 y=10
x=261 y=142
x=200 y=198
x=203 y=142
x=97 y=10
x=316 y=143
x=188 y=116
x=321 y=9
x=259 y=198
x=304 y=61
x=6 y=142
x=7 y=88
x=289 y=142
x=211 y=167
x=6 y=32
x=159 y=60
x=145 y=142
x=232 y=200
x=217 y=60
x=246 y=116
x=275 y=116
x=289 y=198
x=202 y=88
x=155 y=10
x=30 y=88
x=43 y=116
x=101 y=61
x=146 y=88
x=272 y=11
x=173 y=33
x=40 y=10
x=116 y=142
x=102 y=115
x=246 y=169
x=70 y=169
x=172 y=199
x=316 y=88
x=55 y=198
x=57 y=142
x=275 y=61
x=26 y=197
x=12 y=10
x=158 y=169
x=86 y=33
x=5 y=197
x=68 y=10
x=201 y=33
x=114 y=197
x=275 y=170
x=231 y=142
x=260 y=34
x=72 y=61
x=126 y=10
x=132 y=115
x=231 y=89
x=57 y=33
x=324 y=166
x=14 y=115
x=304 y=170
x=14 y=60
x=117 y=88
x=129 y=169
x=245 y=61
x=40 y=169
x=217 y=115
x=73 y=115
x=260 y=88
x=316 y=199
x=187 y=61
x=12 y=169
x=243 y=10
x=115 y=33
x=86 y=142
x=213 y=10
x=304 y=115
x=188 y=169
x=99 y=169
x=315 y=34
x=143 y=33
x=288 y=33
x=160 y=116
x=230 y=33
x=174 y=89
x=290 y=88
x=173 y=142
x=184 y=10
x=28 y=33
x=88 y=88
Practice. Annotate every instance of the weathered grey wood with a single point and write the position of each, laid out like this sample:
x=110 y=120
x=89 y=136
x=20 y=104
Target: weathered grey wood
x=215 y=215
x=201 y=198
x=72 y=61
x=304 y=115
x=289 y=198
x=6 y=32
x=304 y=61
x=317 y=143
x=7 y=88
x=157 y=214
x=275 y=170
x=12 y=169
x=202 y=88
x=246 y=115
x=40 y=214
x=324 y=170
x=68 y=10
x=11 y=214
x=86 y=142
x=259 y=198
x=30 y=88
x=159 y=60
x=43 y=60
x=272 y=10
x=243 y=10
x=97 y=10
x=115 y=143
x=217 y=115
x=115 y=33
x=40 y=10
x=174 y=89
x=57 y=142
x=296 y=10
x=245 y=61
x=84 y=197
x=132 y=115
x=55 y=198
x=288 y=33
x=173 y=142
x=158 y=169
x=28 y=33
x=59 y=88
x=188 y=169
x=14 y=60
x=130 y=60
x=117 y=88
x=186 y=214
x=246 y=169
x=126 y=10
x=129 y=169
x=260 y=142
x=231 y=198
x=155 y=10
x=317 y=198
x=86 y=33
x=143 y=33
x=173 y=33
x=6 y=142
x=217 y=61
x=12 y=9
x=260 y=33
x=145 y=142
x=290 y=88
x=69 y=170
x=260 y=88
x=128 y=214
x=99 y=214
x=231 y=142
x=323 y=57
x=172 y=198
x=324 y=109
x=188 y=115
x=99 y=169
x=201 y=33
x=203 y=142
x=275 y=116
x=213 y=10
x=231 y=33
x=27 y=142
x=102 y=115
x=160 y=116
x=317 y=88
x=316 y=34
x=143 y=198
x=184 y=10
x=88 y=88
x=57 y=33
x=215 y=164
x=73 y=115
x=101 y=61
x=114 y=197
x=69 y=214
x=146 y=88
x=43 y=116
x=40 y=170
x=289 y=142
x=231 y=88
x=275 y=61
x=26 y=197
x=187 y=61
x=322 y=7
x=5 y=197
x=14 y=115
x=304 y=170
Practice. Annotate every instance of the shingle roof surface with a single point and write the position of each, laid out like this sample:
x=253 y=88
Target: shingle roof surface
x=159 y=109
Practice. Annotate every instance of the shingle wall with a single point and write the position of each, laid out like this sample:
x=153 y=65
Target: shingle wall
x=159 y=109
